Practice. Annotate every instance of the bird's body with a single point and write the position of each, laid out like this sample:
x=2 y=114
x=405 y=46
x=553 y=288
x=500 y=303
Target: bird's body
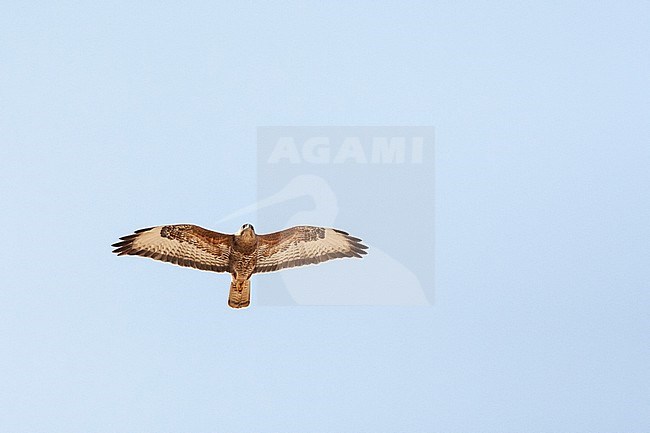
x=241 y=254
x=243 y=258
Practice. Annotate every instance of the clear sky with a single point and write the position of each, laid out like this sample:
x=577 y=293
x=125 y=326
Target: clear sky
x=121 y=115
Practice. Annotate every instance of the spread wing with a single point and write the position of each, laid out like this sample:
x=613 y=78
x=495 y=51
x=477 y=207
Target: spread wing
x=182 y=244
x=303 y=245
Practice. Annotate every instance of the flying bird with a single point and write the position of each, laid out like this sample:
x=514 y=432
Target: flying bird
x=241 y=254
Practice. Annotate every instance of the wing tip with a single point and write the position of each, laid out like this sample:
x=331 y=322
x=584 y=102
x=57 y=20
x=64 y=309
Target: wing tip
x=122 y=248
x=126 y=241
x=356 y=242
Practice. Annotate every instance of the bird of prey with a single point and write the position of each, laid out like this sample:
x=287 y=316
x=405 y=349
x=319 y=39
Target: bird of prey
x=241 y=254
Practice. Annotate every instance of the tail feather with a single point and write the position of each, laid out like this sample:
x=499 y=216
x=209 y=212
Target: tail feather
x=240 y=294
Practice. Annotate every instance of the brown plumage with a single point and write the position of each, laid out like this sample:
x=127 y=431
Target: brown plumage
x=241 y=254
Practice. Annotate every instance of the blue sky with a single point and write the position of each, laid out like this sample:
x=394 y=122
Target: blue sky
x=116 y=116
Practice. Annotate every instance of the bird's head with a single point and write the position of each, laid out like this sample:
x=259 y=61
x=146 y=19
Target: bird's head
x=247 y=230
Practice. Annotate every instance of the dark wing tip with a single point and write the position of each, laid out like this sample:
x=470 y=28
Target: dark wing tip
x=356 y=242
x=126 y=242
x=122 y=248
x=358 y=249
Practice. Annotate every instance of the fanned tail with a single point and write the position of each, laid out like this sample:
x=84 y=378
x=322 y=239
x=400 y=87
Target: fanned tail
x=240 y=294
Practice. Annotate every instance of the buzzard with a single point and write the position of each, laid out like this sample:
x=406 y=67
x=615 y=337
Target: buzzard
x=241 y=254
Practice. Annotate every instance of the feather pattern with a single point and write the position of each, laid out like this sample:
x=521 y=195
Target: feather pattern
x=303 y=245
x=182 y=244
